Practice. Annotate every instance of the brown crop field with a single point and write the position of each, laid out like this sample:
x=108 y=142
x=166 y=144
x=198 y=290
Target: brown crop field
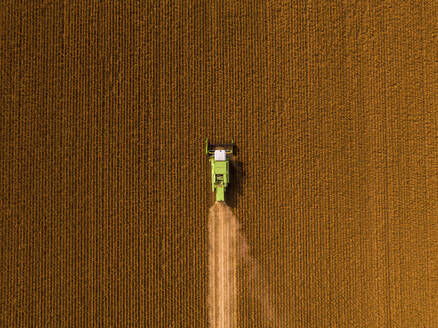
x=105 y=188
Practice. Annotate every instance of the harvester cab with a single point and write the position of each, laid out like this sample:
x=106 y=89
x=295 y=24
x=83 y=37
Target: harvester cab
x=219 y=155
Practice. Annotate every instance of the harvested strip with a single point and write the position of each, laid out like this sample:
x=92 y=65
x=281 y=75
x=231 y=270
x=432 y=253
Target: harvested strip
x=223 y=234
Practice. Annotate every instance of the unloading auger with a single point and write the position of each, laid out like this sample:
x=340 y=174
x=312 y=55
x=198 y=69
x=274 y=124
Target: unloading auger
x=219 y=155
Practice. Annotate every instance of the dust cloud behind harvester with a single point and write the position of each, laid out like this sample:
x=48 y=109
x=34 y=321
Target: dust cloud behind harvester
x=222 y=261
x=228 y=258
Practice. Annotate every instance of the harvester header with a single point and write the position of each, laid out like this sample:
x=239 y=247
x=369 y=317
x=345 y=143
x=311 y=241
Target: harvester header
x=219 y=155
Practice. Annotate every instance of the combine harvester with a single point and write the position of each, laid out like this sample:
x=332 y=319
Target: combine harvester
x=223 y=236
x=220 y=166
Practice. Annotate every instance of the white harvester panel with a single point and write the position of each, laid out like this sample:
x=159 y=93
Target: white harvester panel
x=220 y=155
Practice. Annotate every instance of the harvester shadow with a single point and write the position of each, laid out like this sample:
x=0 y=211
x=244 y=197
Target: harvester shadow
x=236 y=176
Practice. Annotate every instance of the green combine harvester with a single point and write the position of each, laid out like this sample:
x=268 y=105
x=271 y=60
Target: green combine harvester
x=220 y=166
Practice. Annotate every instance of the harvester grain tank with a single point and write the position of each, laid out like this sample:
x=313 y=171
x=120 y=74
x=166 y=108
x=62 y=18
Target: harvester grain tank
x=219 y=155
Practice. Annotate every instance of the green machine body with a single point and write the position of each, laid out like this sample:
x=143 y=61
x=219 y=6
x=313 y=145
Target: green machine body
x=219 y=156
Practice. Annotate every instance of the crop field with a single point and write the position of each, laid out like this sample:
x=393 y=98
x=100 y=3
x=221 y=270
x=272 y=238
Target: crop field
x=105 y=188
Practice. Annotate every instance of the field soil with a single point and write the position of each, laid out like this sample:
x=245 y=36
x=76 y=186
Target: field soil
x=105 y=187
